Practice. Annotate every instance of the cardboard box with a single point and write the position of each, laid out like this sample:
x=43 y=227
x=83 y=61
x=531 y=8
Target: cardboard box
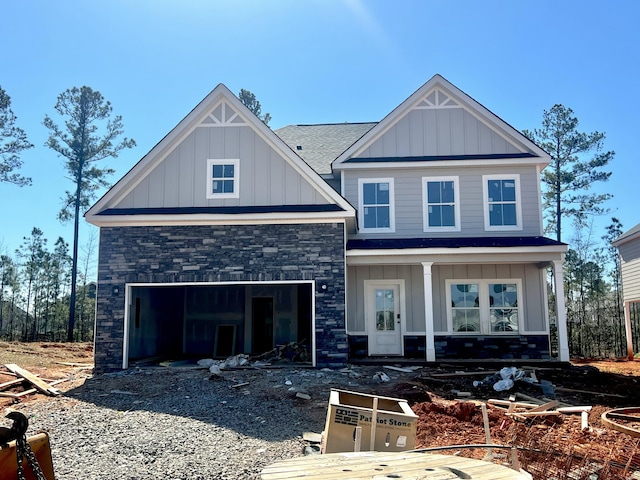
x=395 y=427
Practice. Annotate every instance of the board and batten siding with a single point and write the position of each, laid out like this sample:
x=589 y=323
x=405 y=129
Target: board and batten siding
x=414 y=294
x=448 y=131
x=180 y=180
x=532 y=297
x=409 y=198
x=630 y=269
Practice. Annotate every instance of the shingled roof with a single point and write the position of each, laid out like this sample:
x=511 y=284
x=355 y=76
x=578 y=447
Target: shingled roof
x=319 y=145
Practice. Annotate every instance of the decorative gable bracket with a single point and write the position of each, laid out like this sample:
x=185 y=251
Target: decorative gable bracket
x=437 y=99
x=223 y=115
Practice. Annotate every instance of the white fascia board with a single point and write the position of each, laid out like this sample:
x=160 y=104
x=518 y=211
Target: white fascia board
x=459 y=251
x=501 y=162
x=627 y=237
x=207 y=219
x=457 y=255
x=158 y=153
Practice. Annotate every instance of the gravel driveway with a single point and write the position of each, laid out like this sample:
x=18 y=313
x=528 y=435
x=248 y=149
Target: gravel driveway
x=183 y=423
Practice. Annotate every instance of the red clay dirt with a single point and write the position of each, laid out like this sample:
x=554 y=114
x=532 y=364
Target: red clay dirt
x=547 y=447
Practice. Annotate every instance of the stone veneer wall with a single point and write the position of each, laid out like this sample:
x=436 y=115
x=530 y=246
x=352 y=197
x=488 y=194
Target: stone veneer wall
x=208 y=254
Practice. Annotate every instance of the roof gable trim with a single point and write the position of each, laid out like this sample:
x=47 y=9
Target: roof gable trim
x=431 y=91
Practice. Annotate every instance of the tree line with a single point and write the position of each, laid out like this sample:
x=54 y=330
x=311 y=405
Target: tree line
x=35 y=291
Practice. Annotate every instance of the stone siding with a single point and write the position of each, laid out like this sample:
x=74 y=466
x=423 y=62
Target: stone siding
x=209 y=254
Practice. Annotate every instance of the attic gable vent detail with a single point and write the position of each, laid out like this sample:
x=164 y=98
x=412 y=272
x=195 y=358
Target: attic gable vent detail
x=437 y=99
x=223 y=115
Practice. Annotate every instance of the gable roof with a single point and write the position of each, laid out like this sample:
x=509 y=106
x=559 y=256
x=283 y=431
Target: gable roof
x=219 y=107
x=439 y=93
x=319 y=145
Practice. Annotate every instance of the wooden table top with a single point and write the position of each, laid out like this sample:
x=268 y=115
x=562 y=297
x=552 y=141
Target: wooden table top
x=388 y=465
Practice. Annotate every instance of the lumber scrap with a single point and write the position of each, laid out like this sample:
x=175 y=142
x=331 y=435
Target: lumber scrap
x=31 y=378
x=545 y=413
x=76 y=364
x=577 y=409
x=529 y=398
x=398 y=369
x=11 y=383
x=573 y=390
x=507 y=403
x=545 y=406
x=462 y=374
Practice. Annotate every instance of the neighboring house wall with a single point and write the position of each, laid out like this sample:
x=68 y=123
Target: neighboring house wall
x=213 y=254
x=630 y=266
x=410 y=198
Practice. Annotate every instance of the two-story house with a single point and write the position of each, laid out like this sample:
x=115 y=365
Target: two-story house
x=419 y=236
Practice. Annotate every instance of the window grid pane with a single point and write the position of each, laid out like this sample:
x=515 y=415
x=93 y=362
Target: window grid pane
x=502 y=202
x=385 y=310
x=465 y=307
x=503 y=310
x=223 y=181
x=441 y=204
x=376 y=205
x=485 y=308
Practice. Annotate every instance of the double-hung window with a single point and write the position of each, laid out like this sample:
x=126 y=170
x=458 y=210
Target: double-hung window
x=222 y=178
x=502 y=207
x=376 y=209
x=484 y=307
x=441 y=204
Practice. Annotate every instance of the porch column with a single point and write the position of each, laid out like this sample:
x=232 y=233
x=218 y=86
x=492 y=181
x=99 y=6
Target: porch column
x=561 y=312
x=428 y=311
x=627 y=327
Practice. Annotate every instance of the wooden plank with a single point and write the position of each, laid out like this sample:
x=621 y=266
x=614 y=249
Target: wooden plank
x=545 y=406
x=530 y=398
x=580 y=409
x=16 y=381
x=507 y=403
x=31 y=378
x=368 y=465
x=573 y=390
x=398 y=369
x=461 y=374
x=74 y=364
x=533 y=414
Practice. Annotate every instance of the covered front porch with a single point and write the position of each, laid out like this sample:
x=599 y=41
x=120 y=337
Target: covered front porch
x=434 y=303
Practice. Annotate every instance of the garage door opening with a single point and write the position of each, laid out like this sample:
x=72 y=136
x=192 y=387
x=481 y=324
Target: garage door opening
x=216 y=321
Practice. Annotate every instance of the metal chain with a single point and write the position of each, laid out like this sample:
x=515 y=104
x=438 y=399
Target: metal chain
x=23 y=450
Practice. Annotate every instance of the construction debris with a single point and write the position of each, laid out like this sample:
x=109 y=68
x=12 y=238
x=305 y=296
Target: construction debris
x=26 y=378
x=625 y=420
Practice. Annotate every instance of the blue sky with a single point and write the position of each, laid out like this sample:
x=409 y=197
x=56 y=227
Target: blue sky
x=313 y=61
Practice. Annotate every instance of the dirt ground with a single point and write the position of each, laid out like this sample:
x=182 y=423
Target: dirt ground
x=448 y=401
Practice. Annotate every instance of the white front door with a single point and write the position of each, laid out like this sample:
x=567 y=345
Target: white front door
x=384 y=319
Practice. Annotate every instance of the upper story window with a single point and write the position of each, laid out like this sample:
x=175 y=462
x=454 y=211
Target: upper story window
x=376 y=208
x=502 y=207
x=222 y=178
x=441 y=204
